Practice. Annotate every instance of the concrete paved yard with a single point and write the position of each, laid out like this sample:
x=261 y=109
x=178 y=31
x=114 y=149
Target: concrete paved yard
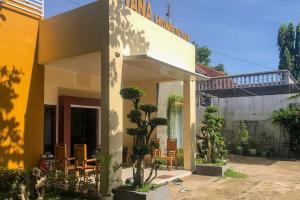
x=268 y=179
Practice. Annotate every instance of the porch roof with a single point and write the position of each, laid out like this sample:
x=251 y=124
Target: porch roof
x=161 y=70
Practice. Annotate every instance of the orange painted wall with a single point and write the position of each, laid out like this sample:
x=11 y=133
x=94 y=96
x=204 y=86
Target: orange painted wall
x=21 y=95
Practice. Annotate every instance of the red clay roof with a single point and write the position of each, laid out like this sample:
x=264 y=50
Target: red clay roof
x=207 y=71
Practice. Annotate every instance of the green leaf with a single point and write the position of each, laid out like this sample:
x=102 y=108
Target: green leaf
x=158 y=122
x=148 y=108
x=131 y=93
x=134 y=116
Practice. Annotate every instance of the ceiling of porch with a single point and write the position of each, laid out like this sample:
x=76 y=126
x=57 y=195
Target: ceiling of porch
x=136 y=68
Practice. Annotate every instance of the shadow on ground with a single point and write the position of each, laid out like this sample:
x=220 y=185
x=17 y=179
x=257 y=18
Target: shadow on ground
x=252 y=160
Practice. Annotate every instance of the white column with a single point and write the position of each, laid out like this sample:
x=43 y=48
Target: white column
x=111 y=102
x=189 y=128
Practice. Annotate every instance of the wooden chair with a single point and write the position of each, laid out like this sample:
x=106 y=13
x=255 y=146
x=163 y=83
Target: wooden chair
x=172 y=150
x=81 y=161
x=62 y=163
x=169 y=157
x=155 y=141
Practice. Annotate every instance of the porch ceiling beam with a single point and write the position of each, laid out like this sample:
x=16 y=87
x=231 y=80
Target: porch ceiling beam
x=148 y=63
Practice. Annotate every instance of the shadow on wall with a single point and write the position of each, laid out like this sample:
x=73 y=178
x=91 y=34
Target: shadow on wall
x=34 y=115
x=11 y=142
x=124 y=35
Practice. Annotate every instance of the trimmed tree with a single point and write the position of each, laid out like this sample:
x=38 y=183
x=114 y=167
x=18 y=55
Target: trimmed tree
x=211 y=129
x=143 y=116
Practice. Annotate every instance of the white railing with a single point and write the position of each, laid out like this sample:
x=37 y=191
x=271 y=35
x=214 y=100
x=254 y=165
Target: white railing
x=281 y=77
x=32 y=6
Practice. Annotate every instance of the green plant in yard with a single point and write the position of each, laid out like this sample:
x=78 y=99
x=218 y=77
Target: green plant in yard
x=211 y=129
x=59 y=194
x=243 y=134
x=143 y=116
x=231 y=173
x=105 y=160
x=289 y=119
x=145 y=188
x=21 y=184
x=14 y=182
x=218 y=163
x=180 y=157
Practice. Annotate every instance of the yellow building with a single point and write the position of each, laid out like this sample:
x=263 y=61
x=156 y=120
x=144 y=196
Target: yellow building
x=60 y=77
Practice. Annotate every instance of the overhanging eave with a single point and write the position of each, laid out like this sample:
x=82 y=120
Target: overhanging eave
x=160 y=68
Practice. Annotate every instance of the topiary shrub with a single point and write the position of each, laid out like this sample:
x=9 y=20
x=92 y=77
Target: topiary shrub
x=143 y=116
x=211 y=130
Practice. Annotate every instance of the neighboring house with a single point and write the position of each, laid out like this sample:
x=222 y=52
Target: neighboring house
x=253 y=98
x=208 y=71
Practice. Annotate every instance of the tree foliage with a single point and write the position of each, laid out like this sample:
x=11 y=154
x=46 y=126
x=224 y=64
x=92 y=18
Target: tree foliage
x=289 y=118
x=288 y=42
x=203 y=54
x=144 y=118
x=220 y=67
x=211 y=129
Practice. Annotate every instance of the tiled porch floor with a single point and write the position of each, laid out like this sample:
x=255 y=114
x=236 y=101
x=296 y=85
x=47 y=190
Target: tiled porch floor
x=162 y=177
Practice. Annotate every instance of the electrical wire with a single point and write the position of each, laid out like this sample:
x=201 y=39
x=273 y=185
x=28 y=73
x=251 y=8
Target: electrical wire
x=243 y=60
x=74 y=2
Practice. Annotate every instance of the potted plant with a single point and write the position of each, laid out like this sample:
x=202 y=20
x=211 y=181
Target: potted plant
x=243 y=136
x=105 y=160
x=211 y=161
x=143 y=116
x=174 y=114
x=252 y=146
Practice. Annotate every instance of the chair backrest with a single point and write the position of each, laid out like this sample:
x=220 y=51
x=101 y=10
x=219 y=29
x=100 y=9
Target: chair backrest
x=156 y=153
x=80 y=152
x=155 y=140
x=172 y=145
x=61 y=157
x=60 y=152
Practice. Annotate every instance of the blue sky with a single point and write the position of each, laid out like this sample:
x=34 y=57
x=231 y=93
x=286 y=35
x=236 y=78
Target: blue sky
x=243 y=29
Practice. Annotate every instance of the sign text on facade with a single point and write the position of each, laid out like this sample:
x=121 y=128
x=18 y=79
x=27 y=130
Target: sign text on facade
x=144 y=8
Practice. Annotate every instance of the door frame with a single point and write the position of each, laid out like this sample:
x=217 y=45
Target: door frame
x=53 y=134
x=64 y=119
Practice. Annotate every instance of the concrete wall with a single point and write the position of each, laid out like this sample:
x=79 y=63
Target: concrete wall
x=73 y=33
x=60 y=82
x=156 y=42
x=21 y=95
x=257 y=113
